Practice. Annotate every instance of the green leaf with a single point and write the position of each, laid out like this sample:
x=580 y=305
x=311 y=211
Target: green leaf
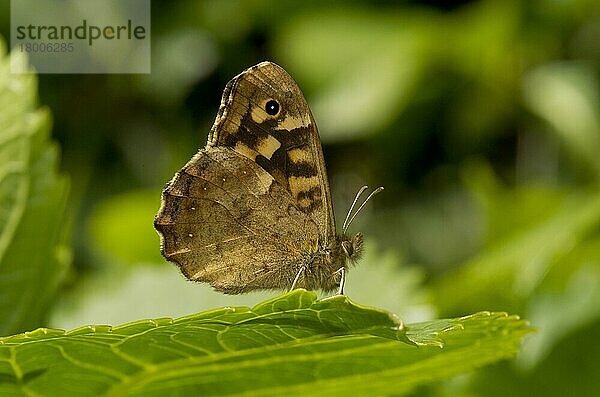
x=32 y=200
x=293 y=344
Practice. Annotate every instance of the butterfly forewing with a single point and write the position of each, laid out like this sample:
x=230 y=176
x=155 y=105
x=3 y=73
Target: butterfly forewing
x=286 y=145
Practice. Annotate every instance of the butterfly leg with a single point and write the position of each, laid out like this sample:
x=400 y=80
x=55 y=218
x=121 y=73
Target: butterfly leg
x=295 y=282
x=342 y=272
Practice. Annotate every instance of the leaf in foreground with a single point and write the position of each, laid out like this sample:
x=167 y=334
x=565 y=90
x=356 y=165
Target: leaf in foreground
x=32 y=201
x=293 y=344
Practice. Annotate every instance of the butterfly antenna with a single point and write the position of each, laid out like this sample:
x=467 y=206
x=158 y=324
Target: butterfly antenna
x=358 y=194
x=373 y=193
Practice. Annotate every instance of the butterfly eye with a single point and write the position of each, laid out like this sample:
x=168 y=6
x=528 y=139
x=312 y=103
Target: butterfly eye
x=348 y=249
x=272 y=107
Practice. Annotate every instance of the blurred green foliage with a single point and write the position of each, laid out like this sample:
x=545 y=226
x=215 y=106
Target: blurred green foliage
x=481 y=119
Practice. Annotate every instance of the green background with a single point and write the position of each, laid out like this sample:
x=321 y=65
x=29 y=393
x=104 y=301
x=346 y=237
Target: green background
x=480 y=118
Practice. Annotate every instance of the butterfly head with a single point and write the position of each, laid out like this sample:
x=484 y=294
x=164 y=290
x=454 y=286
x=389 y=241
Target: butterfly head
x=352 y=246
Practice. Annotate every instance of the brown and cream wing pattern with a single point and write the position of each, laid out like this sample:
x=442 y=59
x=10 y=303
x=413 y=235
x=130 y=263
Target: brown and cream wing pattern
x=265 y=117
x=224 y=220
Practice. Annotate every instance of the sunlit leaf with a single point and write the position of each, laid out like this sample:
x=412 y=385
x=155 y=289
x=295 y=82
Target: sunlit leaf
x=292 y=344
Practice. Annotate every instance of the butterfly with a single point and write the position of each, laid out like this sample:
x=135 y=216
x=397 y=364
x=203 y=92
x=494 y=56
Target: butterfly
x=252 y=210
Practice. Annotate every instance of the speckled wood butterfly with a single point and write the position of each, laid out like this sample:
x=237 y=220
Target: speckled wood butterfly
x=252 y=210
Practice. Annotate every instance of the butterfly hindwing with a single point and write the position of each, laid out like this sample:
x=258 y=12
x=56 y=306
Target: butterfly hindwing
x=225 y=221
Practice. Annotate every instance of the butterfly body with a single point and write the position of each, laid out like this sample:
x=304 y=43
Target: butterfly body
x=252 y=210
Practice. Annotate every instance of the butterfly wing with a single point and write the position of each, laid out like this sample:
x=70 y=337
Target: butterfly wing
x=224 y=220
x=285 y=144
